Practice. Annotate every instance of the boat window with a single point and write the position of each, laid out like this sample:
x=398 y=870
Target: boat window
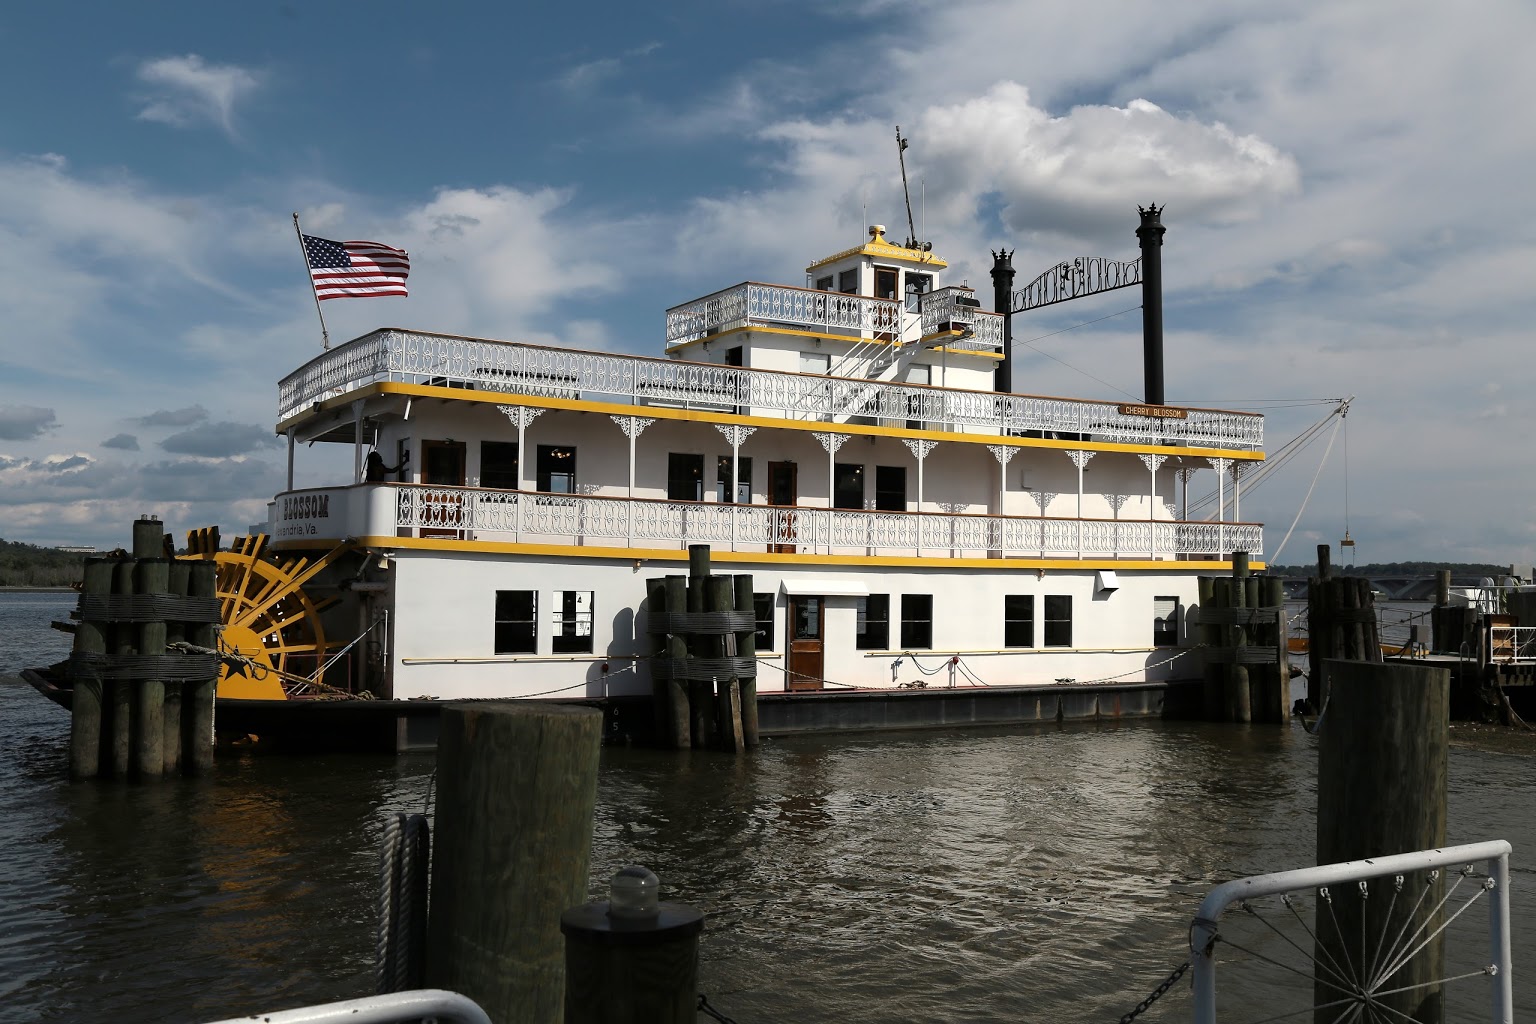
x=1058 y=620
x=743 y=480
x=1019 y=620
x=1165 y=621
x=874 y=628
x=498 y=465
x=557 y=469
x=847 y=486
x=807 y=618
x=824 y=284
x=917 y=285
x=571 y=627
x=515 y=622
x=885 y=283
x=891 y=488
x=685 y=477
x=762 y=609
x=916 y=621
x=815 y=362
x=848 y=282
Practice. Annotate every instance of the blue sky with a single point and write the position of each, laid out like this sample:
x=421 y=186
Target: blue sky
x=1346 y=184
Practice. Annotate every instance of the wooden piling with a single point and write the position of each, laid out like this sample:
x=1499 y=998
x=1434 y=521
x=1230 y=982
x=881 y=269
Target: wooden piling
x=125 y=638
x=1212 y=703
x=1239 y=699
x=720 y=596
x=151 y=576
x=628 y=970
x=178 y=579
x=516 y=787
x=1382 y=771
x=1277 y=694
x=680 y=729
x=85 y=708
x=701 y=703
x=746 y=647
x=197 y=698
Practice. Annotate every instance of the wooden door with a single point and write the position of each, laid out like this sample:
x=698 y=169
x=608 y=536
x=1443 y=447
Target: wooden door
x=783 y=492
x=442 y=465
x=805 y=644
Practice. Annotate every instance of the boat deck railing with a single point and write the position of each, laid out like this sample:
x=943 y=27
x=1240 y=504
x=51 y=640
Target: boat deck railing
x=519 y=516
x=511 y=368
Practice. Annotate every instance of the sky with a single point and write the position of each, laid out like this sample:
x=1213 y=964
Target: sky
x=1346 y=189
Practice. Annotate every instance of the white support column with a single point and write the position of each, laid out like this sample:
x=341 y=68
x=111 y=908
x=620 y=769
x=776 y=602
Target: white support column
x=1003 y=454
x=1043 y=500
x=1079 y=459
x=1152 y=462
x=1185 y=472
x=291 y=443
x=1238 y=469
x=831 y=442
x=633 y=427
x=735 y=435
x=919 y=450
x=1116 y=503
x=1221 y=466
x=521 y=416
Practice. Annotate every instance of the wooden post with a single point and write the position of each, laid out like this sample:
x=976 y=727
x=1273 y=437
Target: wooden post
x=1239 y=700
x=516 y=787
x=655 y=607
x=1442 y=588
x=179 y=578
x=720 y=595
x=197 y=698
x=1324 y=562
x=1382 y=770
x=1279 y=699
x=125 y=639
x=700 y=692
x=85 y=700
x=746 y=647
x=630 y=967
x=680 y=731
x=1212 y=704
x=151 y=576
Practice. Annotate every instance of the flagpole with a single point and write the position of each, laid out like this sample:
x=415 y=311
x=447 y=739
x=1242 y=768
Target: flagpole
x=325 y=335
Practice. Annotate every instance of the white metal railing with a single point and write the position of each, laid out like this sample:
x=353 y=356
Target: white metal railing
x=1360 y=986
x=753 y=304
x=415 y=358
x=1512 y=645
x=393 y=1008
x=946 y=309
x=477 y=513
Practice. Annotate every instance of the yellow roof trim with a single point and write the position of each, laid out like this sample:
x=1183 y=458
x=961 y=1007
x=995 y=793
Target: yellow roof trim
x=573 y=551
x=879 y=247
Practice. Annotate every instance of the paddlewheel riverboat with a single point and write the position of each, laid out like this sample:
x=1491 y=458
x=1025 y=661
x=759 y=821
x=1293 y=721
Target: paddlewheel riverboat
x=844 y=441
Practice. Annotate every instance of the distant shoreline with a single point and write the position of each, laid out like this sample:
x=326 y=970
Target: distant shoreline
x=36 y=590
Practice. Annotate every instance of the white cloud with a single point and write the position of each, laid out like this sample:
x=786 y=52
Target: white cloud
x=188 y=90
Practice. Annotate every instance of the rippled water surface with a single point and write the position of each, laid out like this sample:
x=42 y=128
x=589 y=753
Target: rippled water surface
x=963 y=876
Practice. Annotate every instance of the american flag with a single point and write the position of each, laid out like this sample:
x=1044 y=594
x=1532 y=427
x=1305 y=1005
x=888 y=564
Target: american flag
x=355 y=270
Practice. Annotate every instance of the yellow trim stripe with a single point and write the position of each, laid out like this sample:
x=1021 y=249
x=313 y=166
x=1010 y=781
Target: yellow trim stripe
x=767 y=422
x=573 y=551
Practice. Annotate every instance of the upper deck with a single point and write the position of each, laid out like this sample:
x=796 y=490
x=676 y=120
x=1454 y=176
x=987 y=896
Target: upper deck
x=451 y=361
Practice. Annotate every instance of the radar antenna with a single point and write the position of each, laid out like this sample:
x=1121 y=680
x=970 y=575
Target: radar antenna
x=901 y=150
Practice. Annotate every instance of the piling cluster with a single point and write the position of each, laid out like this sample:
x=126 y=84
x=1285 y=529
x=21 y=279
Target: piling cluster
x=703 y=633
x=1242 y=624
x=141 y=672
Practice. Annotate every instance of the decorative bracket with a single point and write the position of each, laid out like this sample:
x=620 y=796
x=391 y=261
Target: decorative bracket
x=633 y=426
x=736 y=436
x=918 y=447
x=830 y=442
x=1080 y=458
x=520 y=415
x=1002 y=452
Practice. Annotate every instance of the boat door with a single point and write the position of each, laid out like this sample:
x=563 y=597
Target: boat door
x=805 y=653
x=442 y=465
x=782 y=492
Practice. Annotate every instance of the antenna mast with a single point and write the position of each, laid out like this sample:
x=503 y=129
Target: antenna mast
x=901 y=149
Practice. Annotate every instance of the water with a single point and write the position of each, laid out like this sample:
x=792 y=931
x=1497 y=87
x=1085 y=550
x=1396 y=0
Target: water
x=976 y=876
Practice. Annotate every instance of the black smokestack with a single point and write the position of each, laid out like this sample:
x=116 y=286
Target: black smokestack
x=1002 y=302
x=1151 y=236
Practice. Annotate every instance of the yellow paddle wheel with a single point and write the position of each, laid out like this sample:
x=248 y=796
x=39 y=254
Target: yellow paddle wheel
x=270 y=623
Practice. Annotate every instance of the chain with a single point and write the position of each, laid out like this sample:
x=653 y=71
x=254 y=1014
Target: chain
x=1157 y=994
x=705 y=1008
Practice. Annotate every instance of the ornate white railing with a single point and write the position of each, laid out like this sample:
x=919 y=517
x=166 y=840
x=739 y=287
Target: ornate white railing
x=752 y=304
x=414 y=358
x=947 y=309
x=477 y=514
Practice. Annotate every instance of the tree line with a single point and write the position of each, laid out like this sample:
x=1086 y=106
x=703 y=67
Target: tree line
x=1394 y=569
x=27 y=565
